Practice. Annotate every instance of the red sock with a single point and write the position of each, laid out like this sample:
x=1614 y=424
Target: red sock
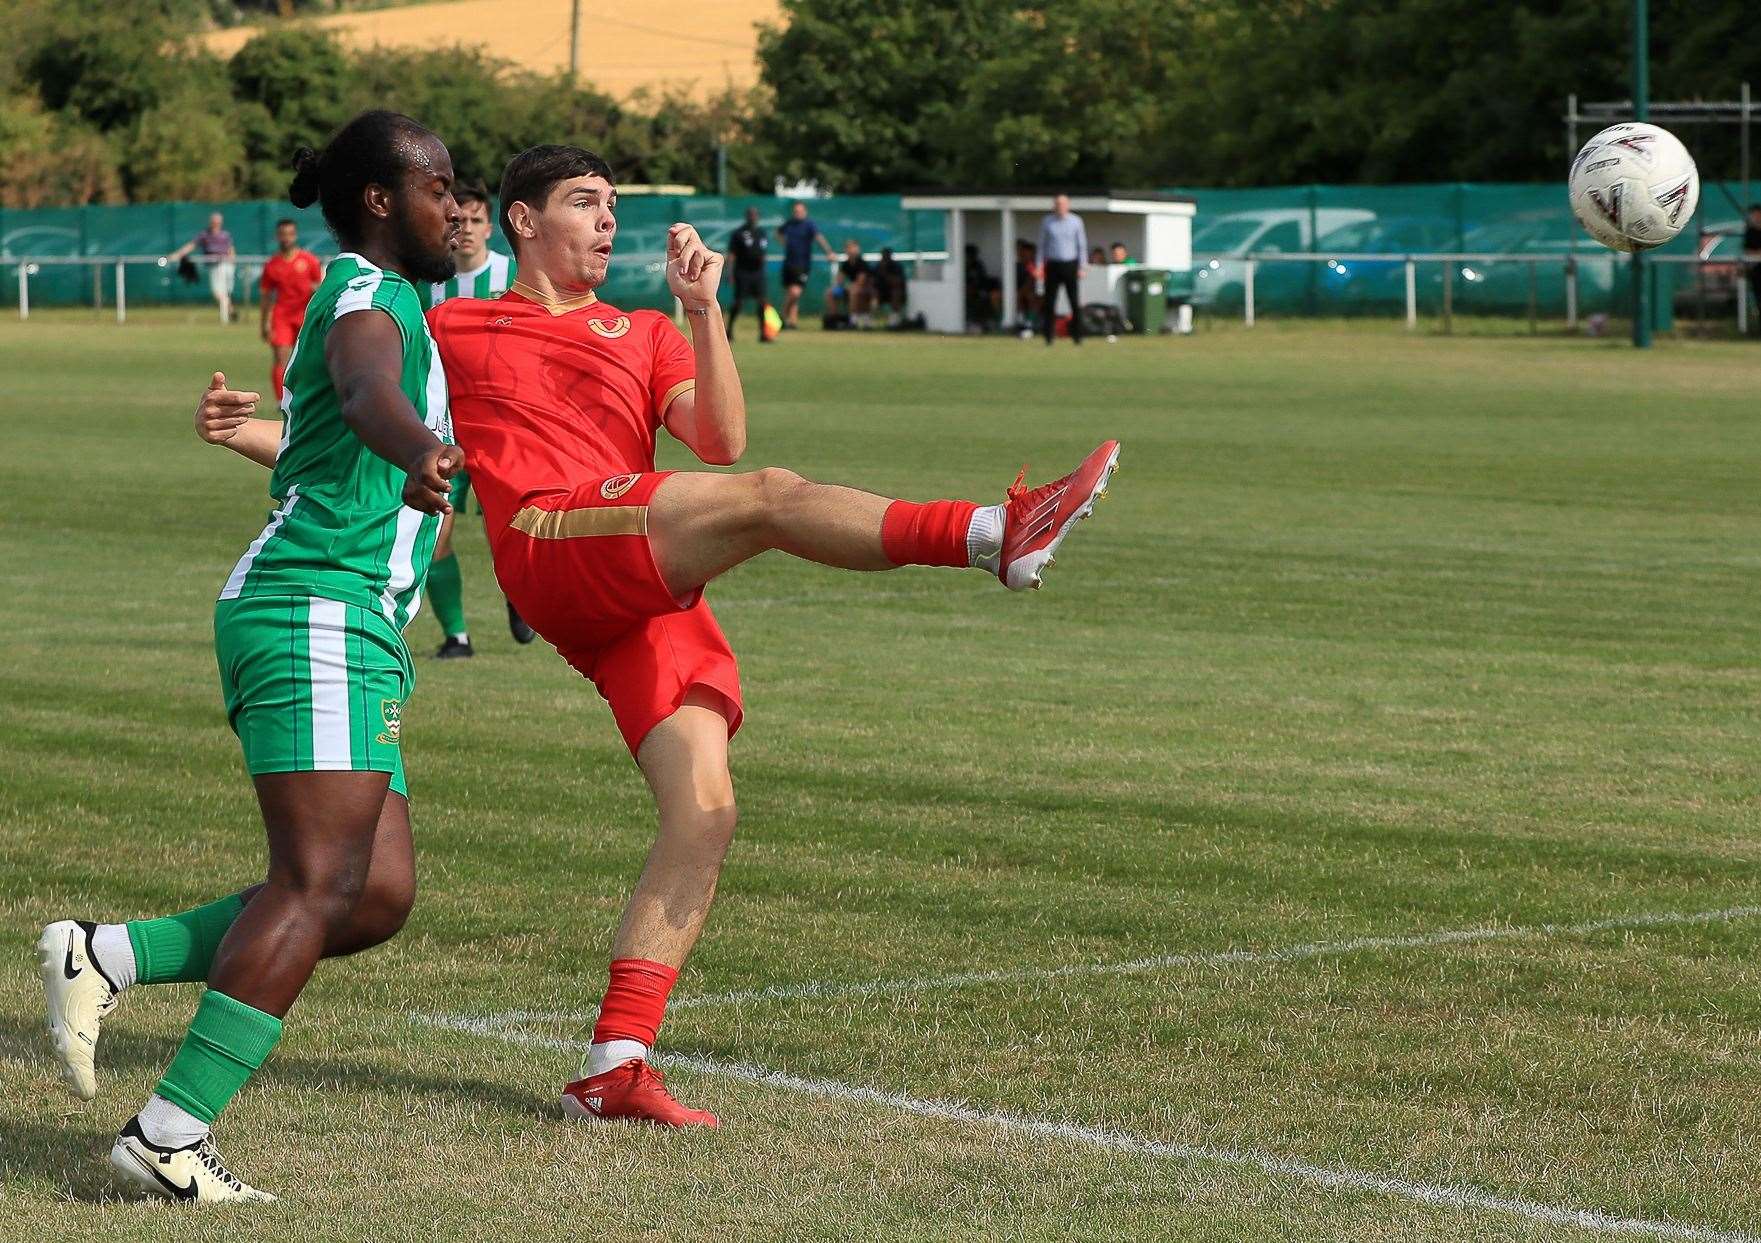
x=635 y=1001
x=933 y=533
x=277 y=373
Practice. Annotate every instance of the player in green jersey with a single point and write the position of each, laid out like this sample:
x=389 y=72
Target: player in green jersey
x=312 y=663
x=483 y=273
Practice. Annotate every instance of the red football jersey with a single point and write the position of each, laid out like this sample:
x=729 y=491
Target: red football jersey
x=546 y=397
x=292 y=279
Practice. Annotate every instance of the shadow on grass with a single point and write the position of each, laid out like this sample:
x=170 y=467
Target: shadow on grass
x=69 y=1154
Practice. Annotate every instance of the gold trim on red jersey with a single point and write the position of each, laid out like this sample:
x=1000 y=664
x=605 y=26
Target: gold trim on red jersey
x=673 y=394
x=556 y=306
x=576 y=523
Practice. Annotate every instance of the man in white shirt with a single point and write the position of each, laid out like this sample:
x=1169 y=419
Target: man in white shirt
x=1063 y=243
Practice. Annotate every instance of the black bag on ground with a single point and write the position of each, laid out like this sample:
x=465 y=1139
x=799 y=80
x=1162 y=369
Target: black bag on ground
x=1103 y=319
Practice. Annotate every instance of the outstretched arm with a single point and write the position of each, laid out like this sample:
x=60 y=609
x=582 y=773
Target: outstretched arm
x=365 y=353
x=224 y=417
x=710 y=419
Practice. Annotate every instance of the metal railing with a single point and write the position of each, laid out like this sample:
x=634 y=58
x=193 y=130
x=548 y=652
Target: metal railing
x=1566 y=262
x=652 y=263
x=29 y=266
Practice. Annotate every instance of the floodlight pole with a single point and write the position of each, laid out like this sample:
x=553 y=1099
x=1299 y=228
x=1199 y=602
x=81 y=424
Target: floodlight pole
x=1746 y=105
x=575 y=43
x=1641 y=112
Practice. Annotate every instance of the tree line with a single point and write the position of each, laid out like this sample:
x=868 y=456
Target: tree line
x=104 y=103
x=101 y=102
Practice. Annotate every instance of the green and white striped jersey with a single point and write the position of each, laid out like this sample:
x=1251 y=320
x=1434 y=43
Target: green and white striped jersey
x=340 y=529
x=488 y=280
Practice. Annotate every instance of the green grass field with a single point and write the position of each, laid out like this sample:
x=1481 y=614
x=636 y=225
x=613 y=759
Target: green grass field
x=1452 y=644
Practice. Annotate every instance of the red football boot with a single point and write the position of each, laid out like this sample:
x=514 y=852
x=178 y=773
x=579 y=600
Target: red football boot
x=1035 y=522
x=631 y=1090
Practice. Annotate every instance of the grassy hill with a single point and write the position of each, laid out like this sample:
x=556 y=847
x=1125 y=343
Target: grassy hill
x=698 y=45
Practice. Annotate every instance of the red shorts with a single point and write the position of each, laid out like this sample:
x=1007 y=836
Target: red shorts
x=283 y=330
x=578 y=567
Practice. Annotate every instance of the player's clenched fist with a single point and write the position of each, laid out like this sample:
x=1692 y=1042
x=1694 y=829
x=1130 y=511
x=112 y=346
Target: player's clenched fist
x=693 y=270
x=430 y=479
x=222 y=411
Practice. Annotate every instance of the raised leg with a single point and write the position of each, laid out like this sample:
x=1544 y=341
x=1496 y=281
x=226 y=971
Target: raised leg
x=701 y=525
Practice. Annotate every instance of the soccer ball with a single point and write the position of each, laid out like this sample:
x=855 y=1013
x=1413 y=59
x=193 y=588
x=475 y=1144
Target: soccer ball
x=1634 y=186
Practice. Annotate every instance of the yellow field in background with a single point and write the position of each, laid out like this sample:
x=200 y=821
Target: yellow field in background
x=698 y=45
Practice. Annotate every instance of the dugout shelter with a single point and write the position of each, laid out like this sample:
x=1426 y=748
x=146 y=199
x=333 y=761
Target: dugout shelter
x=1155 y=226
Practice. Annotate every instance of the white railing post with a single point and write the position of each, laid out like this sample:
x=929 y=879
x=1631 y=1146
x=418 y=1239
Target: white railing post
x=121 y=294
x=24 y=290
x=1412 y=295
x=1571 y=293
x=1247 y=291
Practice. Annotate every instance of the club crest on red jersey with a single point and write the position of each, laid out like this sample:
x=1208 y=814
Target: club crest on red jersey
x=616 y=486
x=612 y=328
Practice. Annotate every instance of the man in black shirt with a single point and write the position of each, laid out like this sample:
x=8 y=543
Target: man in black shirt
x=746 y=246
x=852 y=287
x=889 y=284
x=1752 y=251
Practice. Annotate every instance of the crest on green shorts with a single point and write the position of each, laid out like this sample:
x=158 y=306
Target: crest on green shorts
x=392 y=710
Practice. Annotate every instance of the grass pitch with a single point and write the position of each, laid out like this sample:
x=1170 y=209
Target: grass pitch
x=1379 y=637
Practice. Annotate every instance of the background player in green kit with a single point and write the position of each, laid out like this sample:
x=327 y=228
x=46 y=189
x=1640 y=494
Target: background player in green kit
x=483 y=273
x=312 y=663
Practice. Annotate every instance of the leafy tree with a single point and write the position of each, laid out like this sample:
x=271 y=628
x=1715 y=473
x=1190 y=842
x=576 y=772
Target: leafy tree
x=671 y=138
x=184 y=149
x=104 y=64
x=47 y=159
x=293 y=86
x=867 y=91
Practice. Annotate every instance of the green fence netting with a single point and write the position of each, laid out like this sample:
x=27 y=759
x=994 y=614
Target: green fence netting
x=1526 y=227
x=150 y=230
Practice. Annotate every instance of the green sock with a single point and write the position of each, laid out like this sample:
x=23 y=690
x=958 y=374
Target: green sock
x=446 y=592
x=180 y=948
x=226 y=1043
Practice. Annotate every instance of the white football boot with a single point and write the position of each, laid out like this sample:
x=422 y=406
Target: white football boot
x=193 y=1174
x=79 y=996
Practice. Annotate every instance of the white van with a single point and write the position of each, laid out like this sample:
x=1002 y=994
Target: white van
x=1218 y=244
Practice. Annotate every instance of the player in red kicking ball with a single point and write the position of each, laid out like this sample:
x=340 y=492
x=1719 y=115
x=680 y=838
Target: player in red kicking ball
x=557 y=398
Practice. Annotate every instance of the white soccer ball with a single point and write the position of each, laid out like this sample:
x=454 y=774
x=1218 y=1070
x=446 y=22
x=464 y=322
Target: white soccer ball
x=1634 y=186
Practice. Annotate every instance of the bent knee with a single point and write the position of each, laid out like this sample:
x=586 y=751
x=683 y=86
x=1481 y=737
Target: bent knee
x=328 y=901
x=712 y=827
x=383 y=910
x=775 y=489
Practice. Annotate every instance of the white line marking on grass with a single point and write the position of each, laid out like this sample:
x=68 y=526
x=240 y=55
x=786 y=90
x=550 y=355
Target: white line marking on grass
x=841 y=989
x=1442 y=1195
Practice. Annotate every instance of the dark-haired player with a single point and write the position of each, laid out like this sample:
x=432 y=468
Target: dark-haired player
x=289 y=277
x=561 y=397
x=483 y=273
x=558 y=398
x=312 y=662
x=746 y=247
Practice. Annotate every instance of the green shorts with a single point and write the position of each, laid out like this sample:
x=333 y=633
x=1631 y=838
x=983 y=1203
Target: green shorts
x=461 y=491
x=313 y=685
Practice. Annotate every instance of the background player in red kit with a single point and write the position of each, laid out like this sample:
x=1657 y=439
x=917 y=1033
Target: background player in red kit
x=289 y=278
x=557 y=399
